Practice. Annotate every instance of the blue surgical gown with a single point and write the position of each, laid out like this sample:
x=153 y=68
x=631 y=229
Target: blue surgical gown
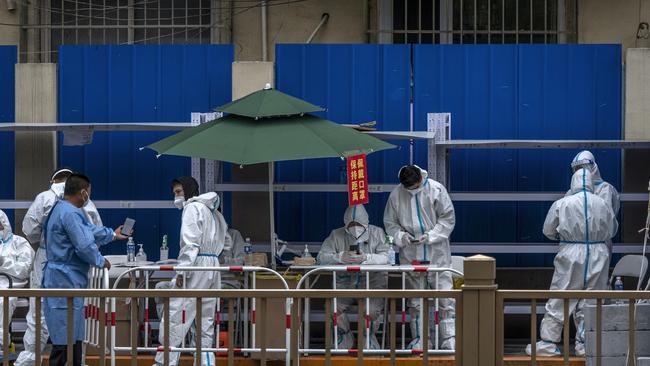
x=72 y=247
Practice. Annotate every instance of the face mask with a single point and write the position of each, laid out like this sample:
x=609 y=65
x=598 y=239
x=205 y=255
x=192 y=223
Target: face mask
x=58 y=188
x=179 y=201
x=4 y=235
x=356 y=231
x=87 y=198
x=415 y=191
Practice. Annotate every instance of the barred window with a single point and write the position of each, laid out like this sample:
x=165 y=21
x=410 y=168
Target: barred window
x=120 y=22
x=478 y=21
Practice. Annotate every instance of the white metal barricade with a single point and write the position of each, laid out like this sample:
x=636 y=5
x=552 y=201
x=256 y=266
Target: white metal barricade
x=242 y=269
x=367 y=269
x=97 y=279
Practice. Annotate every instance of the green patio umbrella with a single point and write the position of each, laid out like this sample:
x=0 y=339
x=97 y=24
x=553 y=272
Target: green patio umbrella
x=264 y=127
x=243 y=140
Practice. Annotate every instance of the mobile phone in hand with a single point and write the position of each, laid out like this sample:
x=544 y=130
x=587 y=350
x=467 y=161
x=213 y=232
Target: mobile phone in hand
x=127 y=228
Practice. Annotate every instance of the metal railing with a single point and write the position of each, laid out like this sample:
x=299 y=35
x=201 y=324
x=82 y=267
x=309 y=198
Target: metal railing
x=479 y=318
x=147 y=270
x=596 y=296
x=367 y=270
x=292 y=296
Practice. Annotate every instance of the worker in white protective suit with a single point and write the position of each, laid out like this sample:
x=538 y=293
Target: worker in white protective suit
x=357 y=242
x=203 y=237
x=582 y=223
x=233 y=256
x=16 y=257
x=33 y=229
x=419 y=215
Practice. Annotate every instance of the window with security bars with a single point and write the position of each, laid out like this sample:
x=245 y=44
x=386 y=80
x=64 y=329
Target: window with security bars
x=482 y=21
x=126 y=22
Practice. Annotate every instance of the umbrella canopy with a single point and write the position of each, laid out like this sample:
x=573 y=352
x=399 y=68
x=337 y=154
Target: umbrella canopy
x=242 y=140
x=268 y=103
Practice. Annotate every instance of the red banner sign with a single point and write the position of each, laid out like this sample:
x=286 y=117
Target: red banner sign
x=357 y=180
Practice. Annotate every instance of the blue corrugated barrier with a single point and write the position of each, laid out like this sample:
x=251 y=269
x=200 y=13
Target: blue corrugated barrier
x=138 y=84
x=8 y=58
x=492 y=91
x=518 y=92
x=356 y=83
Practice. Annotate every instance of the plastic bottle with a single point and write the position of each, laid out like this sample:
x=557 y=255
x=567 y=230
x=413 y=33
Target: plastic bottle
x=248 y=251
x=391 y=251
x=141 y=256
x=618 y=286
x=164 y=250
x=305 y=252
x=130 y=250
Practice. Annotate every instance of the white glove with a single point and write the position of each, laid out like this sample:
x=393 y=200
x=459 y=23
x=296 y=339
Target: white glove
x=350 y=258
x=406 y=239
x=424 y=239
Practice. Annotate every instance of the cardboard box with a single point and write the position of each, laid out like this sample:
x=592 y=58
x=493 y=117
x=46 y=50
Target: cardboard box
x=276 y=317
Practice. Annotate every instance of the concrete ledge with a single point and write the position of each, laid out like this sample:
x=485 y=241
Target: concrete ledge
x=607 y=361
x=615 y=317
x=643 y=361
x=614 y=344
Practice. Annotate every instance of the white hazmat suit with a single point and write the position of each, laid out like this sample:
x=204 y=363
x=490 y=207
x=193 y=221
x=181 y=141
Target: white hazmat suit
x=374 y=250
x=426 y=215
x=582 y=223
x=203 y=237
x=16 y=257
x=33 y=228
x=233 y=256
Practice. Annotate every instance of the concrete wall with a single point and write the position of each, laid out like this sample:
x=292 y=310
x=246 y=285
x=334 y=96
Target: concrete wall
x=36 y=101
x=9 y=35
x=294 y=22
x=637 y=127
x=606 y=21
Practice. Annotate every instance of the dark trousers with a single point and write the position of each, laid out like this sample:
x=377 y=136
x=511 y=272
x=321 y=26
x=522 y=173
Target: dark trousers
x=59 y=355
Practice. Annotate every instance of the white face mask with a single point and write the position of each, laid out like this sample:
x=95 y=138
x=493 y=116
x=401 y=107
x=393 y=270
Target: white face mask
x=4 y=234
x=58 y=188
x=356 y=231
x=179 y=201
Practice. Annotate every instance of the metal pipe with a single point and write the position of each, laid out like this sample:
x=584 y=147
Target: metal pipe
x=323 y=19
x=264 y=26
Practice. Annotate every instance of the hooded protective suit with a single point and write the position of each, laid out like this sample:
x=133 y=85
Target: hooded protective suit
x=585 y=159
x=233 y=256
x=33 y=228
x=372 y=244
x=16 y=256
x=582 y=223
x=426 y=215
x=203 y=236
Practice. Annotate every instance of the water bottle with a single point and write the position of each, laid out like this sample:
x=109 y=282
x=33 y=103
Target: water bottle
x=391 y=250
x=164 y=250
x=248 y=247
x=130 y=250
x=141 y=256
x=618 y=286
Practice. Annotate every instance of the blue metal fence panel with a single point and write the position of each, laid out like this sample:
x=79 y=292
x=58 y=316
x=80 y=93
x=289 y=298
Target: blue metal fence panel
x=524 y=92
x=356 y=83
x=143 y=84
x=8 y=58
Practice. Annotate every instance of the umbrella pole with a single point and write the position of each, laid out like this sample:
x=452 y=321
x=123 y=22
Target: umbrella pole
x=272 y=215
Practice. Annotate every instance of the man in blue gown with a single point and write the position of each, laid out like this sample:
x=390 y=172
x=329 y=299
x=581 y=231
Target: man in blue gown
x=72 y=248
